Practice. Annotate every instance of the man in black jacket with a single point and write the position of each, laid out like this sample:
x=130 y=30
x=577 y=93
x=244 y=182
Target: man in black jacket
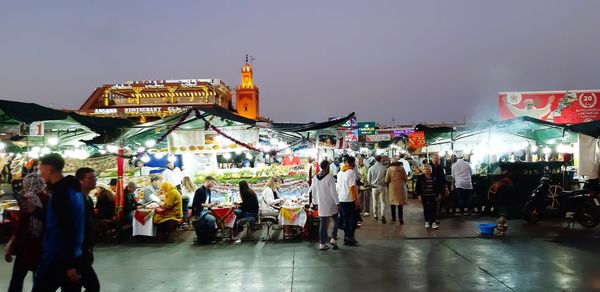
x=440 y=187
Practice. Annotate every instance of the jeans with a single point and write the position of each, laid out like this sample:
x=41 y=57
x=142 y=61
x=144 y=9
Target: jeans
x=51 y=277
x=364 y=200
x=89 y=279
x=210 y=219
x=463 y=196
x=400 y=212
x=18 y=276
x=429 y=208
x=379 y=199
x=350 y=215
x=323 y=226
x=184 y=207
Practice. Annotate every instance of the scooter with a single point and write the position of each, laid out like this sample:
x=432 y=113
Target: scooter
x=549 y=201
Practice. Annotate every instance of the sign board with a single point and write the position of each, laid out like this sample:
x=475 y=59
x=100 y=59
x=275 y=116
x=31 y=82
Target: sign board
x=378 y=137
x=351 y=123
x=416 y=139
x=35 y=129
x=397 y=133
x=559 y=107
x=366 y=128
x=352 y=136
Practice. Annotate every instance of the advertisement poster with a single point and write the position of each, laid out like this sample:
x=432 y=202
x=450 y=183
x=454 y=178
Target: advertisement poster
x=560 y=107
x=416 y=139
x=327 y=141
x=378 y=138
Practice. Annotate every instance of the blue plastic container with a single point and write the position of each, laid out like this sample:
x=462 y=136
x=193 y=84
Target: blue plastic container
x=487 y=229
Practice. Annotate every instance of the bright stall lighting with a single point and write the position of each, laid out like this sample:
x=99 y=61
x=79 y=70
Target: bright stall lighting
x=282 y=145
x=52 y=141
x=227 y=156
x=112 y=148
x=159 y=155
x=36 y=149
x=249 y=156
x=141 y=149
x=2 y=146
x=238 y=151
x=534 y=148
x=34 y=154
x=274 y=141
x=442 y=153
x=171 y=158
x=102 y=151
x=150 y=143
x=547 y=150
x=564 y=148
x=145 y=158
x=45 y=151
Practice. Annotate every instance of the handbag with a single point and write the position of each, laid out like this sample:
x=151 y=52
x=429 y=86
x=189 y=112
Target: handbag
x=160 y=210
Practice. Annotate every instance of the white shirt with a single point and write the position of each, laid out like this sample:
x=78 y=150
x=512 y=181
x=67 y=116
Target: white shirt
x=406 y=166
x=345 y=181
x=145 y=170
x=333 y=169
x=268 y=200
x=461 y=171
x=325 y=195
x=174 y=176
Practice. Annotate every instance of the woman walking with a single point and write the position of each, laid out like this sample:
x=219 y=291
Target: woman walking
x=26 y=243
x=427 y=196
x=396 y=178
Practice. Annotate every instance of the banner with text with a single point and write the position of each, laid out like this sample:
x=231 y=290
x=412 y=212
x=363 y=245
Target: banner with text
x=560 y=107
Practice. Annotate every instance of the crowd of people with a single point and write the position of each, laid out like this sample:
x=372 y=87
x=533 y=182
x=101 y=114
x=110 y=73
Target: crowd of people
x=60 y=214
x=363 y=187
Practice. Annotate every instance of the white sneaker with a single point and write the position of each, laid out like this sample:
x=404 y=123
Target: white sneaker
x=334 y=243
x=435 y=226
x=427 y=225
x=323 y=247
x=366 y=214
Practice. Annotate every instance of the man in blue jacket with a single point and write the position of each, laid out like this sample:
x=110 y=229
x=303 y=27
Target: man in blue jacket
x=67 y=243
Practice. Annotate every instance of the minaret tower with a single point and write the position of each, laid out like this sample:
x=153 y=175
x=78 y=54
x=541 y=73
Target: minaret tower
x=246 y=97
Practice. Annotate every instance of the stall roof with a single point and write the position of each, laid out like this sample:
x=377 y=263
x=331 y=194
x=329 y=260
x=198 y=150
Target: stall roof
x=312 y=126
x=15 y=112
x=525 y=127
x=589 y=128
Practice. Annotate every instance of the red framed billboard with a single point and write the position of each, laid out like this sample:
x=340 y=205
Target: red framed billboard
x=560 y=107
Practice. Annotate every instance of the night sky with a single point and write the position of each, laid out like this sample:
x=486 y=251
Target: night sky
x=411 y=61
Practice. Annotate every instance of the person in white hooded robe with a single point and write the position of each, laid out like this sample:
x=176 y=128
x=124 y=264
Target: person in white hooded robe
x=326 y=197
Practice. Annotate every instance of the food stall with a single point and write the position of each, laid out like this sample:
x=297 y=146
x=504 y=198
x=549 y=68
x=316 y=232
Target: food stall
x=515 y=152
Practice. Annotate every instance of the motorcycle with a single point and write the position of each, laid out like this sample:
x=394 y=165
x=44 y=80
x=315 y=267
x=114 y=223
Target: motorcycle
x=550 y=201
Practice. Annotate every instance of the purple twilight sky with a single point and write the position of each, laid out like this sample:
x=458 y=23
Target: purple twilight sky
x=411 y=61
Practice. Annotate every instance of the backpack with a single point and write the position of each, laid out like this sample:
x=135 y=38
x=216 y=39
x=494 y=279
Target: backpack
x=205 y=233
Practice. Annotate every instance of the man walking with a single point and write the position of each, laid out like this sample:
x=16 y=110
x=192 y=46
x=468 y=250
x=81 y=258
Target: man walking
x=440 y=188
x=461 y=172
x=348 y=196
x=376 y=178
x=87 y=180
x=66 y=241
x=326 y=197
x=363 y=188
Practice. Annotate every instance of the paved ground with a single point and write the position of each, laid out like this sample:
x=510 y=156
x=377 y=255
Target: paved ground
x=531 y=258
